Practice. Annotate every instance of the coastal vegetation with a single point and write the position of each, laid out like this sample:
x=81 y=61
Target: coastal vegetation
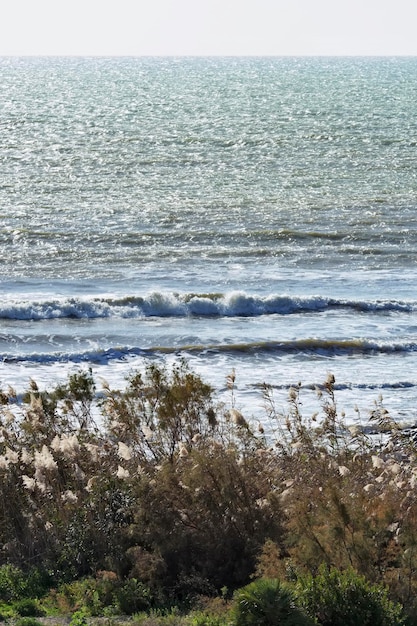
x=155 y=502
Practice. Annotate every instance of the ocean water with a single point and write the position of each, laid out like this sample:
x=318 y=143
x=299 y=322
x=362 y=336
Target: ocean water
x=255 y=214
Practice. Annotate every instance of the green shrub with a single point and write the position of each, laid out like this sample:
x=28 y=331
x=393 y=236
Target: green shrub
x=132 y=597
x=266 y=602
x=338 y=598
x=27 y=608
x=80 y=593
x=79 y=618
x=11 y=583
x=6 y=611
x=16 y=584
x=37 y=582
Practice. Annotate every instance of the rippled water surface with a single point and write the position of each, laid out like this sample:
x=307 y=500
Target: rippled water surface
x=249 y=213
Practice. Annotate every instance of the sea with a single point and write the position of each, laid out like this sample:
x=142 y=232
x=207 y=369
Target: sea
x=246 y=215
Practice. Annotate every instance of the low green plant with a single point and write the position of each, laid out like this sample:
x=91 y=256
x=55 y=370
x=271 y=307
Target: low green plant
x=157 y=617
x=11 y=583
x=6 y=611
x=267 y=602
x=79 y=618
x=97 y=595
x=132 y=596
x=205 y=619
x=336 y=598
x=16 y=584
x=27 y=608
x=28 y=621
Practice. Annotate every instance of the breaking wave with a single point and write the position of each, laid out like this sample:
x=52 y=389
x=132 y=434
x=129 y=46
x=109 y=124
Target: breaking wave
x=159 y=304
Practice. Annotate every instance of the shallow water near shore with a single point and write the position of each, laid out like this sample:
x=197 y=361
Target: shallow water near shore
x=255 y=214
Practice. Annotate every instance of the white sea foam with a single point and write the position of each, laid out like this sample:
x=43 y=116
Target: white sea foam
x=160 y=304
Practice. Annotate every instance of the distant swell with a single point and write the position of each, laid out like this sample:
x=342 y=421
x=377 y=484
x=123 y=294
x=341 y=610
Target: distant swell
x=159 y=304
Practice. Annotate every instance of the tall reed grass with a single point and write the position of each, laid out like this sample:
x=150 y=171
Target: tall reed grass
x=186 y=497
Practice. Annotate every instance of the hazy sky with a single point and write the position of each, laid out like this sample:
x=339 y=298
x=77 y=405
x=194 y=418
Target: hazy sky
x=208 y=27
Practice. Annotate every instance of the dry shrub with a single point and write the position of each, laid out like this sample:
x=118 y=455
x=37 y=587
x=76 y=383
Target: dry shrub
x=171 y=491
x=349 y=497
x=186 y=497
x=208 y=514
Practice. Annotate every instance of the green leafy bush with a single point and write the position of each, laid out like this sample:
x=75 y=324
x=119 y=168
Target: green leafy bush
x=16 y=584
x=11 y=583
x=266 y=602
x=79 y=618
x=337 y=598
x=132 y=596
x=27 y=608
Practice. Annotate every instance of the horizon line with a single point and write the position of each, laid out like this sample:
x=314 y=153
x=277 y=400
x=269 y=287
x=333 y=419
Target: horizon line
x=204 y=56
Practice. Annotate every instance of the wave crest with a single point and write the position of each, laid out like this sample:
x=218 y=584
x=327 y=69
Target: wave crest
x=311 y=346
x=160 y=304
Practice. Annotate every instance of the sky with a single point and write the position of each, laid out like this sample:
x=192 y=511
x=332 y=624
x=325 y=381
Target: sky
x=208 y=27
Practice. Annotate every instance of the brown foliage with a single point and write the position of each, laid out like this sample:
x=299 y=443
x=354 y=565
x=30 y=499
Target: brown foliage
x=186 y=496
